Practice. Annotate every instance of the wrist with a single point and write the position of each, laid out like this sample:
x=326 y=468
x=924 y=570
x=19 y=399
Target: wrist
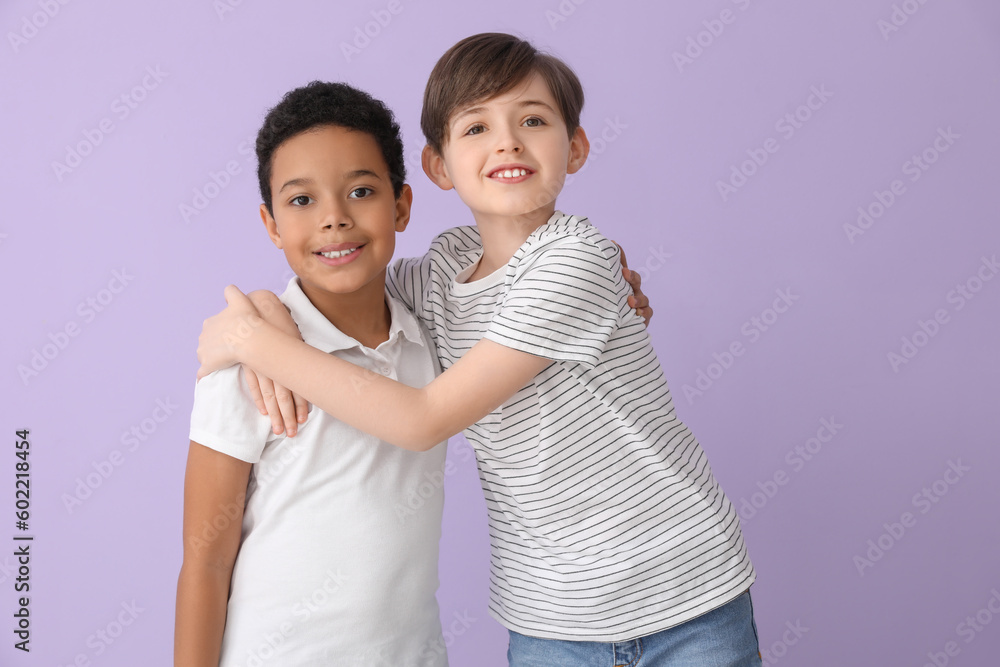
x=244 y=345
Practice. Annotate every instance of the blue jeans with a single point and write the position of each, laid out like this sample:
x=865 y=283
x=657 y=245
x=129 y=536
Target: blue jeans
x=723 y=637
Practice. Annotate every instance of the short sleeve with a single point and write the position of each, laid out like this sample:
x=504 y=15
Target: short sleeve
x=564 y=303
x=225 y=418
x=417 y=281
x=403 y=280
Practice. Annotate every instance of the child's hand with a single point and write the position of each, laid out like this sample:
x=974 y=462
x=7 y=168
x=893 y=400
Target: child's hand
x=222 y=335
x=638 y=300
x=285 y=408
x=276 y=402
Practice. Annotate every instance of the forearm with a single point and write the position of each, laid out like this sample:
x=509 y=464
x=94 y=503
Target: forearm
x=404 y=416
x=202 y=597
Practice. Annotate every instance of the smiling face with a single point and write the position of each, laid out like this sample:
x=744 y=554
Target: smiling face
x=335 y=216
x=508 y=156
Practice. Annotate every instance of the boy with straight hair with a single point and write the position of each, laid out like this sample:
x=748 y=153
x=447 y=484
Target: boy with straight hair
x=612 y=542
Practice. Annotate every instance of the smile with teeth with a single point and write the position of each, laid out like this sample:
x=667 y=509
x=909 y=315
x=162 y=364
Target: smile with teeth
x=509 y=173
x=334 y=254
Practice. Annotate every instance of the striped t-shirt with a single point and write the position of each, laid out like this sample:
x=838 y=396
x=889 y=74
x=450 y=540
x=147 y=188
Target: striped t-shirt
x=606 y=523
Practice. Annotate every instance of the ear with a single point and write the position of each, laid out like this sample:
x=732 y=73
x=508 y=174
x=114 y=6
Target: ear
x=271 y=225
x=403 y=204
x=435 y=168
x=579 y=149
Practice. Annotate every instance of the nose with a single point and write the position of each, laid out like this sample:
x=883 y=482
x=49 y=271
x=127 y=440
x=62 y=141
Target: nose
x=336 y=217
x=508 y=141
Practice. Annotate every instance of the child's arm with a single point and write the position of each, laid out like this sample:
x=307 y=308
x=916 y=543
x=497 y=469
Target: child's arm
x=285 y=409
x=282 y=406
x=528 y=334
x=214 y=494
x=411 y=418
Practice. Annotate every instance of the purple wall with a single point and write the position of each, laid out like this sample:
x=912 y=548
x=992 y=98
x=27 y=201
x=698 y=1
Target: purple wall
x=832 y=161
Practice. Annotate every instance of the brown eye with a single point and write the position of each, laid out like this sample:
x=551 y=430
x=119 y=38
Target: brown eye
x=365 y=193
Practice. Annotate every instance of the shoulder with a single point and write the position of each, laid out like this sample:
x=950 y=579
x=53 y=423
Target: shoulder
x=449 y=252
x=224 y=417
x=573 y=240
x=223 y=405
x=226 y=384
x=457 y=242
x=411 y=328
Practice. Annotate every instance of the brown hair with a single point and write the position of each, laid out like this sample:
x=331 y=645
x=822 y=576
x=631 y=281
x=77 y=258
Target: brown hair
x=483 y=66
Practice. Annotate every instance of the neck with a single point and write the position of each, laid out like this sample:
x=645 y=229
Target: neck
x=503 y=235
x=363 y=314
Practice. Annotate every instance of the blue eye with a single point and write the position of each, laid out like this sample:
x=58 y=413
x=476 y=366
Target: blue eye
x=366 y=192
x=298 y=199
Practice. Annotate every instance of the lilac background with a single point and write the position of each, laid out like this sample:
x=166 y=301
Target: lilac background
x=710 y=265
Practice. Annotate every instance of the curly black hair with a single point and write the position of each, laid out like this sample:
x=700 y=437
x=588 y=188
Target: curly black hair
x=322 y=103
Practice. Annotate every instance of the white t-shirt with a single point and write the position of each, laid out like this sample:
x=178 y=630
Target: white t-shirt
x=339 y=551
x=606 y=523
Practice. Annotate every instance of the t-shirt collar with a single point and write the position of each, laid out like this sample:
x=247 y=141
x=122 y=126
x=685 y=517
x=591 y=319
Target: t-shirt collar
x=319 y=332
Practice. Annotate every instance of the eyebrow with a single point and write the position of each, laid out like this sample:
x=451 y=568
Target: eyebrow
x=348 y=176
x=295 y=182
x=537 y=103
x=525 y=103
